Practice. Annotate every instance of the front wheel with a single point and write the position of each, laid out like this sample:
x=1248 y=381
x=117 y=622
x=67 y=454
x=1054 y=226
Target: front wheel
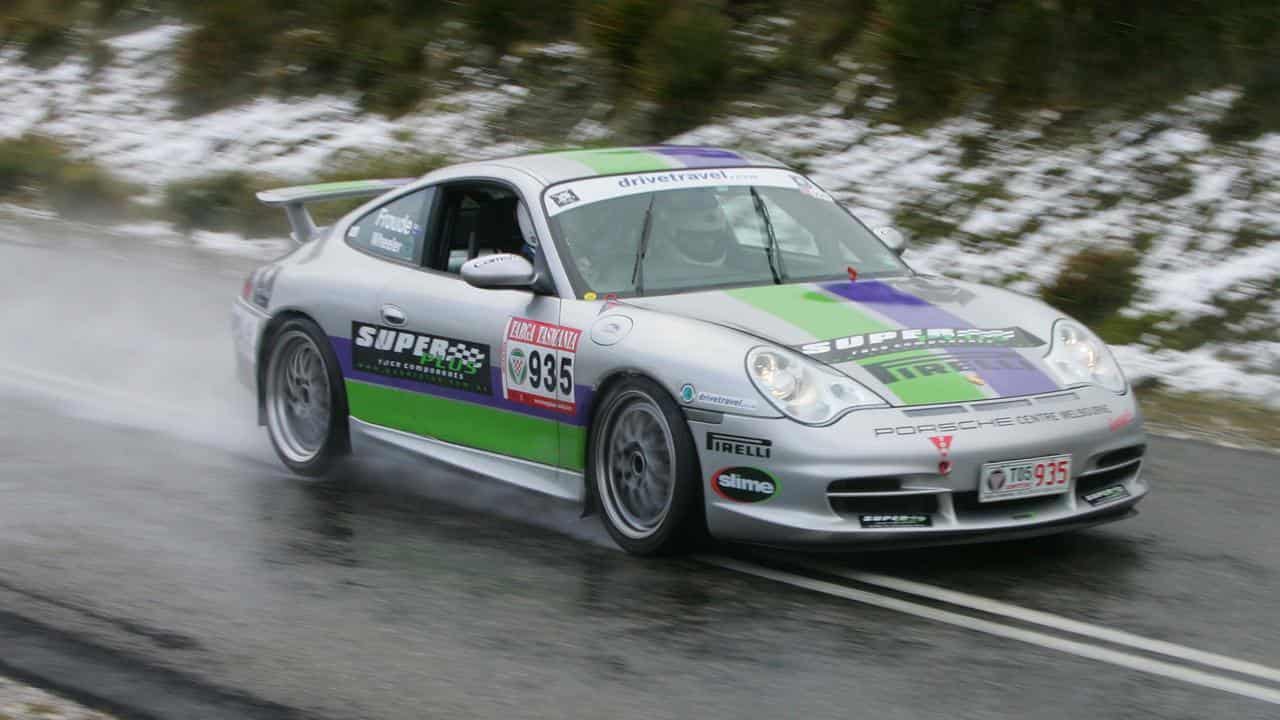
x=305 y=401
x=645 y=470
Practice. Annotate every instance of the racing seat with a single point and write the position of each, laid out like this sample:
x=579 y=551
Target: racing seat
x=496 y=229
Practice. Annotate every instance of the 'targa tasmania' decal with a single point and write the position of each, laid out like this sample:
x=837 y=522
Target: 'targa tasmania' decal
x=433 y=359
x=539 y=364
x=854 y=347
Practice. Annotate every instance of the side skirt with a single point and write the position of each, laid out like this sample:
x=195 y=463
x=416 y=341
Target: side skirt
x=557 y=482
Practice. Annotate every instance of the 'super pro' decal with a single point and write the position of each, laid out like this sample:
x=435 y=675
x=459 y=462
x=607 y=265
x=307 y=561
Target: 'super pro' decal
x=433 y=359
x=539 y=364
x=854 y=347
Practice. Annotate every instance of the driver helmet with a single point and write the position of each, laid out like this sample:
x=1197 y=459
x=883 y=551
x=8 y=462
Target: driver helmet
x=694 y=224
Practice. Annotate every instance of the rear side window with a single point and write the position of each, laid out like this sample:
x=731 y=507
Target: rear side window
x=395 y=230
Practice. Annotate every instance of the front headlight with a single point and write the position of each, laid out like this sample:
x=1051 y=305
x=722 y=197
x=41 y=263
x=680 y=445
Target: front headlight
x=803 y=389
x=1077 y=356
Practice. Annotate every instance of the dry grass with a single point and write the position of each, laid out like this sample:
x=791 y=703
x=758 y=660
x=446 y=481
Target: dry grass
x=1214 y=418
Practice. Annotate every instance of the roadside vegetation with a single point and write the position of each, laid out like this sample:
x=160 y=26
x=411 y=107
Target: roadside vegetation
x=226 y=202
x=677 y=61
x=40 y=171
x=1212 y=418
x=1094 y=284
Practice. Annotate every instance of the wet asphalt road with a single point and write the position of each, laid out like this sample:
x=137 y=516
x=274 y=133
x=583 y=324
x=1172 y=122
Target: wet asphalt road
x=145 y=523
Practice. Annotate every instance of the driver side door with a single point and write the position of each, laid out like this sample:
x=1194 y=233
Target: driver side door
x=487 y=365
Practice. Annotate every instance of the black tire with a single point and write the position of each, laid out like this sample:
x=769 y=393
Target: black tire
x=300 y=340
x=621 y=462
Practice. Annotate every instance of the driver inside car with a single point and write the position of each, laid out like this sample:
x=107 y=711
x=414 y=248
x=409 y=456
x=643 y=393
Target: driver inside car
x=689 y=231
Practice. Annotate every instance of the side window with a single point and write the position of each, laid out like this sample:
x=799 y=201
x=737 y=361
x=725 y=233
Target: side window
x=481 y=218
x=396 y=230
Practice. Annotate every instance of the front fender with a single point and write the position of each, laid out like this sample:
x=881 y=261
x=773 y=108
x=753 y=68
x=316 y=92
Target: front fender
x=700 y=364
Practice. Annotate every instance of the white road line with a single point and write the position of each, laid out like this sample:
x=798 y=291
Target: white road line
x=1118 y=637
x=1073 y=647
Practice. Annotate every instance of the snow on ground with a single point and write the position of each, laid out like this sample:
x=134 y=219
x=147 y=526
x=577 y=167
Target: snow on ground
x=1011 y=209
x=123 y=117
x=19 y=700
x=1201 y=370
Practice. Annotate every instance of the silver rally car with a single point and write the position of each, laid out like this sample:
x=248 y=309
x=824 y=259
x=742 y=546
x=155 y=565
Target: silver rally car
x=687 y=340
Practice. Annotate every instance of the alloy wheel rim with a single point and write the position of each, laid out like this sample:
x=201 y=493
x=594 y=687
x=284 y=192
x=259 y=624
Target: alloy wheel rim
x=637 y=464
x=298 y=396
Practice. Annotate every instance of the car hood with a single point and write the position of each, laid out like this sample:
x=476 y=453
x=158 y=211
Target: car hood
x=914 y=341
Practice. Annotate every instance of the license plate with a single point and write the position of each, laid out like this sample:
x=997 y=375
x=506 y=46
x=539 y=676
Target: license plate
x=1016 y=479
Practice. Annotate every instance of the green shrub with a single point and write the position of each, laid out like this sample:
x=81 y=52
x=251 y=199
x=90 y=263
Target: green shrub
x=224 y=202
x=1093 y=284
x=929 y=46
x=394 y=164
x=1257 y=111
x=500 y=23
x=28 y=160
x=85 y=191
x=217 y=62
x=1242 y=315
x=618 y=29
x=38 y=168
x=1085 y=53
x=685 y=66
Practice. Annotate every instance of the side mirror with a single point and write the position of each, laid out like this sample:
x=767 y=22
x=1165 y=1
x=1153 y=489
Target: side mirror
x=499 y=271
x=892 y=237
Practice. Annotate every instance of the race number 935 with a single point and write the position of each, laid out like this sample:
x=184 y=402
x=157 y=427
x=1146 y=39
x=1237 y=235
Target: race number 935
x=545 y=373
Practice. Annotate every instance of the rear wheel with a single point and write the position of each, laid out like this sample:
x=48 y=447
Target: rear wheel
x=305 y=402
x=645 y=471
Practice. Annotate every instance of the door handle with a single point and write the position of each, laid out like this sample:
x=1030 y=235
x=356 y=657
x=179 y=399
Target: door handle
x=393 y=315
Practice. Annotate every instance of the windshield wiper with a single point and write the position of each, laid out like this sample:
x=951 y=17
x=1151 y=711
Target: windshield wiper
x=770 y=250
x=637 y=270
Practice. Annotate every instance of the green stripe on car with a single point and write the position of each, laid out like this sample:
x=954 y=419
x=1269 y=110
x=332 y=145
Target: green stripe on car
x=463 y=423
x=622 y=160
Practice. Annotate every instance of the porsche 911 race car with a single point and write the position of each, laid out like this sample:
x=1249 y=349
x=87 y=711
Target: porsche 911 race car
x=687 y=340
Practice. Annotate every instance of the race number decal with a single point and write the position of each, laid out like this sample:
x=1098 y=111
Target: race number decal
x=538 y=364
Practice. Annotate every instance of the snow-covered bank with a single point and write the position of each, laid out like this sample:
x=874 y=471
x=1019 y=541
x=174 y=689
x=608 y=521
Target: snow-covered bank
x=123 y=117
x=1007 y=205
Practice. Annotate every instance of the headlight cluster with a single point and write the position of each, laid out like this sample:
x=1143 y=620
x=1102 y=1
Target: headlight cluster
x=1077 y=356
x=803 y=389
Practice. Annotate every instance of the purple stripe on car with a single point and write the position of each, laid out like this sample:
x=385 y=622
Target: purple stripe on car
x=583 y=393
x=699 y=156
x=914 y=312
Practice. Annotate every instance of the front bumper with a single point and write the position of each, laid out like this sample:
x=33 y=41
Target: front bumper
x=874 y=477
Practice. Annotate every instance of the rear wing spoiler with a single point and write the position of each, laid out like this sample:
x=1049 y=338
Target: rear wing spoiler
x=294 y=200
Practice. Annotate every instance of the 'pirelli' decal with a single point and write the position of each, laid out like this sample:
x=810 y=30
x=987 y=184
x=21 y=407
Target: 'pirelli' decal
x=892 y=371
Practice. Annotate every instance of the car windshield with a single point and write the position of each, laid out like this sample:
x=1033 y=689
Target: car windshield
x=623 y=235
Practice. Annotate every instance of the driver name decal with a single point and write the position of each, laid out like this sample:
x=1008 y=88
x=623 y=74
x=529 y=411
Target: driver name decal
x=538 y=365
x=433 y=359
